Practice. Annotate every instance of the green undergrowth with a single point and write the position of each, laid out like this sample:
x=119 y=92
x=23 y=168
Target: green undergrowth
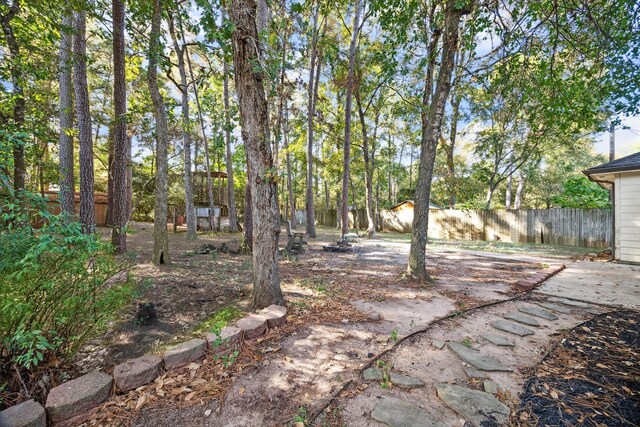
x=218 y=320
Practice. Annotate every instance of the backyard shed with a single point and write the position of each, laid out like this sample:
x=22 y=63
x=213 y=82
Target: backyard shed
x=622 y=177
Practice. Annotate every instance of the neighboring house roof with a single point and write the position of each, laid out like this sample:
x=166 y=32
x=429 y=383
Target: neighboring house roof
x=628 y=163
x=431 y=204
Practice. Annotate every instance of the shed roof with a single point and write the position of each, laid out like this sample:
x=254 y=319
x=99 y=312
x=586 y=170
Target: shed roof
x=623 y=164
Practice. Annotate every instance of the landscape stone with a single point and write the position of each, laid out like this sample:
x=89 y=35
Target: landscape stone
x=555 y=307
x=137 y=372
x=25 y=414
x=252 y=326
x=400 y=380
x=399 y=413
x=490 y=387
x=474 y=373
x=498 y=340
x=438 y=344
x=184 y=353
x=512 y=328
x=77 y=396
x=479 y=408
x=569 y=302
x=522 y=319
x=539 y=312
x=230 y=337
x=276 y=315
x=477 y=359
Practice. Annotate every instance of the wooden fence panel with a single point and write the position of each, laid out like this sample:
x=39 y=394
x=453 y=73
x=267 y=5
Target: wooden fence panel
x=569 y=227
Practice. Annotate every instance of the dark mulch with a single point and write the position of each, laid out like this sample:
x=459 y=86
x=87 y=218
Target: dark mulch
x=592 y=378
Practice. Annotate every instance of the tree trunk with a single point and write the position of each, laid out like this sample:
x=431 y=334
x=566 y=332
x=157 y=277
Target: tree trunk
x=518 y=201
x=248 y=216
x=507 y=195
x=160 y=237
x=344 y=211
x=129 y=178
x=311 y=111
x=120 y=140
x=19 y=165
x=292 y=207
x=67 y=185
x=186 y=135
x=255 y=134
x=231 y=196
x=110 y=147
x=432 y=116
x=87 y=209
x=451 y=172
x=368 y=181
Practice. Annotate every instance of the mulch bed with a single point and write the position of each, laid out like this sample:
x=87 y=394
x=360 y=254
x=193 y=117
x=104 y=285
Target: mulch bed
x=592 y=378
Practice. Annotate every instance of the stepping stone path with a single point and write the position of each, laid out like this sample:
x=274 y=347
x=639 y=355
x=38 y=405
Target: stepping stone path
x=512 y=328
x=498 y=340
x=399 y=413
x=555 y=307
x=474 y=373
x=538 y=312
x=490 y=387
x=404 y=381
x=477 y=359
x=480 y=408
x=569 y=302
x=522 y=319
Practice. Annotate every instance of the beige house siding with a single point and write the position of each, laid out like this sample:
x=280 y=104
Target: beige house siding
x=627 y=216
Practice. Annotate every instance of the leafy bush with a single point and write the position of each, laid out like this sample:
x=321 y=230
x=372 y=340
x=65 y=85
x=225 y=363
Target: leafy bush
x=579 y=192
x=58 y=286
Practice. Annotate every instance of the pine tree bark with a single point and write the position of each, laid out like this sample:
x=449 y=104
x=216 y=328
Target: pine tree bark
x=292 y=205
x=87 y=208
x=19 y=165
x=190 y=211
x=255 y=134
x=368 y=170
x=67 y=185
x=518 y=200
x=344 y=205
x=432 y=116
x=311 y=111
x=160 y=236
x=120 y=140
x=231 y=192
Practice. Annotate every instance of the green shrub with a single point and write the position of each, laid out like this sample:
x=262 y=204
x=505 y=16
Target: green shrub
x=58 y=286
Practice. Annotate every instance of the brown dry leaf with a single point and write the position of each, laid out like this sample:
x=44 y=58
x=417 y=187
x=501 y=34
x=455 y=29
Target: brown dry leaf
x=240 y=390
x=553 y=394
x=199 y=381
x=189 y=396
x=141 y=401
x=601 y=366
x=524 y=416
x=628 y=390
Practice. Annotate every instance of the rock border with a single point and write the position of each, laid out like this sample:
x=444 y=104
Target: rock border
x=138 y=372
x=536 y=279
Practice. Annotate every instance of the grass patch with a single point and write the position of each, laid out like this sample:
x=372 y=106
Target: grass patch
x=218 y=320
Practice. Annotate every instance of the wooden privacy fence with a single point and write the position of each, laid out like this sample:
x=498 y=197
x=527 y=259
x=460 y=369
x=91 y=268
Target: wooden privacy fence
x=569 y=227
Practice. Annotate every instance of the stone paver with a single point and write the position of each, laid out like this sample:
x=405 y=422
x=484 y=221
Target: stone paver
x=538 y=312
x=490 y=387
x=498 y=340
x=229 y=338
x=395 y=412
x=276 y=315
x=530 y=321
x=555 y=307
x=137 y=372
x=253 y=326
x=25 y=414
x=438 y=344
x=404 y=381
x=184 y=353
x=569 y=302
x=479 y=408
x=477 y=359
x=474 y=373
x=78 y=396
x=512 y=328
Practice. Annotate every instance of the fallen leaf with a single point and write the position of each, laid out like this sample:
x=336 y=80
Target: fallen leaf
x=241 y=391
x=189 y=396
x=553 y=394
x=141 y=401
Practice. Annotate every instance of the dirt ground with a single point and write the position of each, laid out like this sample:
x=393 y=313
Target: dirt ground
x=345 y=309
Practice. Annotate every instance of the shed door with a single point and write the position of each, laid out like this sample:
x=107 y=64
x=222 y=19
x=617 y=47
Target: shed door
x=628 y=217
